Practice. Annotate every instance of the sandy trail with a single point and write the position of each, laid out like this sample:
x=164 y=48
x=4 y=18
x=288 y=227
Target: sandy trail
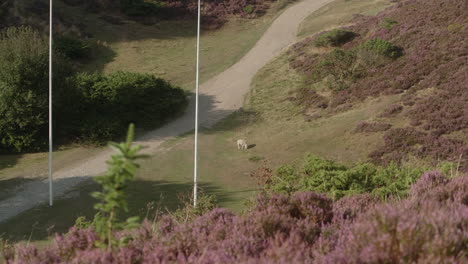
x=219 y=97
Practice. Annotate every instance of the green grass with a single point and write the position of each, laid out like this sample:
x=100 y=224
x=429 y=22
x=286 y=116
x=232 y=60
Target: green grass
x=167 y=48
x=145 y=198
x=276 y=126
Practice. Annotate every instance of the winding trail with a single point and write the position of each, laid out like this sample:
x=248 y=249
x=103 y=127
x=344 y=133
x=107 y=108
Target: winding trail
x=219 y=97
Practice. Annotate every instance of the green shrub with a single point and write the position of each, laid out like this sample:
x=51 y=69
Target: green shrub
x=90 y=107
x=71 y=47
x=325 y=176
x=382 y=47
x=187 y=212
x=340 y=69
x=24 y=73
x=136 y=8
x=113 y=199
x=249 y=9
x=334 y=38
x=111 y=102
x=388 y=23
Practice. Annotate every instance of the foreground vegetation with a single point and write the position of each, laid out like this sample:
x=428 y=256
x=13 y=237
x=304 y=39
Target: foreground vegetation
x=316 y=211
x=88 y=107
x=427 y=225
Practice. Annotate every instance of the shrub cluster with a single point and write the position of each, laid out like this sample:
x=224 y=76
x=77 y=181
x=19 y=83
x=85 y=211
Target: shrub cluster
x=325 y=176
x=334 y=38
x=338 y=68
x=71 y=47
x=24 y=73
x=432 y=72
x=427 y=227
x=109 y=103
x=382 y=47
x=89 y=107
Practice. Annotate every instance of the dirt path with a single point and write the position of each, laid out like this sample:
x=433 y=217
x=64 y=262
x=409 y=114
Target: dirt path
x=219 y=97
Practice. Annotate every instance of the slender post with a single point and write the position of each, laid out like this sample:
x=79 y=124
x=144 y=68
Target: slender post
x=50 y=105
x=197 y=84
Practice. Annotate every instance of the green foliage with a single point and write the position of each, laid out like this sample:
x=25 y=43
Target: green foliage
x=89 y=107
x=382 y=47
x=334 y=38
x=82 y=222
x=249 y=9
x=24 y=73
x=112 y=199
x=188 y=212
x=388 y=23
x=110 y=103
x=339 y=67
x=137 y=8
x=71 y=47
x=326 y=176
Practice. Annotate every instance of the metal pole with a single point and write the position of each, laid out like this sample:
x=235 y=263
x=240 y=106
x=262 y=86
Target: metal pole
x=50 y=105
x=197 y=84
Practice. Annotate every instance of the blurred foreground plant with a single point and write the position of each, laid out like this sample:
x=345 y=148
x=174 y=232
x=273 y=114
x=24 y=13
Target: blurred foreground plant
x=112 y=198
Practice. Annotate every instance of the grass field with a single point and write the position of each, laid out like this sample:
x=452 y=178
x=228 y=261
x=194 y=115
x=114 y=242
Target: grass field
x=275 y=126
x=166 y=49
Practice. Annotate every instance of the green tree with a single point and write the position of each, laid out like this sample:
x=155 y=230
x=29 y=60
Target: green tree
x=113 y=199
x=24 y=73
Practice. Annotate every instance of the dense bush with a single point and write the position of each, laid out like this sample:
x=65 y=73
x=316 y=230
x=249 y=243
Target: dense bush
x=71 y=47
x=340 y=69
x=382 y=47
x=325 y=176
x=24 y=73
x=301 y=228
x=334 y=38
x=89 y=107
x=139 y=7
x=110 y=102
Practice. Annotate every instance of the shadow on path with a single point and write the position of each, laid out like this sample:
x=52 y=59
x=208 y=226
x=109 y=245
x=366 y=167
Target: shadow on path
x=10 y=187
x=42 y=221
x=8 y=160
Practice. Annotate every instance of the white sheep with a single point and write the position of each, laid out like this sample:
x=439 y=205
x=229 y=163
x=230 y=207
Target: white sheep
x=242 y=144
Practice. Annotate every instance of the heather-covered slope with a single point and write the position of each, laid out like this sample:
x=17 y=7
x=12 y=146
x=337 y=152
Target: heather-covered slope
x=430 y=226
x=430 y=72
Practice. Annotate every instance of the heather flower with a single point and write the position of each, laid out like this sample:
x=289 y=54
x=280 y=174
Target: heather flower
x=428 y=181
